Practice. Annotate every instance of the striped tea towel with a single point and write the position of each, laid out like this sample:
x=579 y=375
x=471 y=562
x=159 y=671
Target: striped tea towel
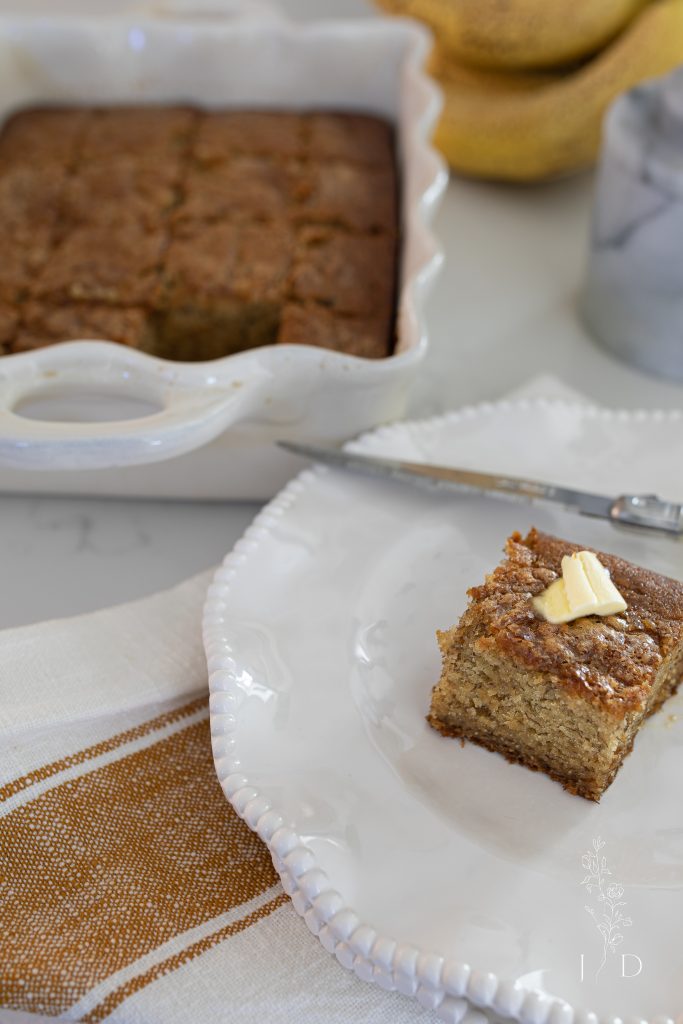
x=130 y=891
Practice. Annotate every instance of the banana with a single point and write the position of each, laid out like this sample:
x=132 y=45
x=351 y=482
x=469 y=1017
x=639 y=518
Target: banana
x=532 y=126
x=520 y=34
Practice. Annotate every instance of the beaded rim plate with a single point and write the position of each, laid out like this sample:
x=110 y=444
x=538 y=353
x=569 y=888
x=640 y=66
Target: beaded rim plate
x=437 y=869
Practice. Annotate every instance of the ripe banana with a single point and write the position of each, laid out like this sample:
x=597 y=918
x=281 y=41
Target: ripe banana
x=520 y=34
x=531 y=126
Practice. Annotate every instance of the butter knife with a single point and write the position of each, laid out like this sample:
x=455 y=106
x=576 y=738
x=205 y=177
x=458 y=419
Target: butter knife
x=645 y=510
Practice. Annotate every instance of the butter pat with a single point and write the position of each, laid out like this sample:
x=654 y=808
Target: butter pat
x=585 y=588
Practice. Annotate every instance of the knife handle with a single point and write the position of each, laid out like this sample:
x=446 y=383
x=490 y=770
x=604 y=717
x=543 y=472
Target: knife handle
x=648 y=510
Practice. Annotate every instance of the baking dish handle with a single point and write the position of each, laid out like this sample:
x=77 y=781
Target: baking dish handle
x=185 y=413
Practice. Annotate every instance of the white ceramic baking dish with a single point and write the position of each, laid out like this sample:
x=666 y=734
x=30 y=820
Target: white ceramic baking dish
x=208 y=429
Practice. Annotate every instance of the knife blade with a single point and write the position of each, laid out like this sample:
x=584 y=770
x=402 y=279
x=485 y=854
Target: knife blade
x=644 y=510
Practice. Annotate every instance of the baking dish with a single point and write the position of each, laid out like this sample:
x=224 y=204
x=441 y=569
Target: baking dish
x=210 y=427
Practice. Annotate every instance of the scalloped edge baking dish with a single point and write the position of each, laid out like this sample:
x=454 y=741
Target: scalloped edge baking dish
x=212 y=429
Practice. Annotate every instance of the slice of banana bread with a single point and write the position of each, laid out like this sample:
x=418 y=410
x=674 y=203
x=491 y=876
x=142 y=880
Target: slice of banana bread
x=566 y=699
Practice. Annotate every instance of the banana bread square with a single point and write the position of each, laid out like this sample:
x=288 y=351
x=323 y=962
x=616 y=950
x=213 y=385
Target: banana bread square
x=312 y=324
x=358 y=138
x=209 y=263
x=349 y=196
x=222 y=289
x=15 y=276
x=345 y=272
x=29 y=208
x=103 y=264
x=119 y=191
x=42 y=136
x=275 y=135
x=8 y=325
x=565 y=699
x=44 y=325
x=153 y=134
x=247 y=188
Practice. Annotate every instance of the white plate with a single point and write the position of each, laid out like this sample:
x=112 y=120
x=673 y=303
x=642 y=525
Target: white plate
x=410 y=855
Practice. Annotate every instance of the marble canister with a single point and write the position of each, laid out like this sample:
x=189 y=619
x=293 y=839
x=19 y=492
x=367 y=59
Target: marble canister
x=632 y=300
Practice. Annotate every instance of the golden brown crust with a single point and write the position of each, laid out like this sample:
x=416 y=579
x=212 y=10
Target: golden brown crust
x=611 y=660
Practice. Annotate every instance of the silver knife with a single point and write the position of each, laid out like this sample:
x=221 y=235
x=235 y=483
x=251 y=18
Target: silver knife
x=646 y=510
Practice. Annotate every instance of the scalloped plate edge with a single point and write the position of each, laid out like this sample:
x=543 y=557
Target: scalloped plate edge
x=449 y=987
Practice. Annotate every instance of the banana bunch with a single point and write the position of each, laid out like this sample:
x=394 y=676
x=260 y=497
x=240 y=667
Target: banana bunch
x=526 y=83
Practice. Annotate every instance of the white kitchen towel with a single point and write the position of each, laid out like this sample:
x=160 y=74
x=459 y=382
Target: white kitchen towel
x=130 y=890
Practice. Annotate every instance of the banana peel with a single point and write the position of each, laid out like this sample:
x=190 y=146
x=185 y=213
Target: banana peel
x=534 y=126
x=520 y=34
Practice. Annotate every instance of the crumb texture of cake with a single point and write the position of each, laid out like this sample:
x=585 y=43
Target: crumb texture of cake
x=195 y=234
x=566 y=698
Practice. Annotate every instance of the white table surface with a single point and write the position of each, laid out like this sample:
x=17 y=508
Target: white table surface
x=503 y=310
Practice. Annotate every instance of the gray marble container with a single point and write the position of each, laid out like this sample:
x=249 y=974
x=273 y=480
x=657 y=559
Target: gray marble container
x=632 y=299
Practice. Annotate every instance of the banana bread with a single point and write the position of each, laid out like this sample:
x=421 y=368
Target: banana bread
x=192 y=234
x=566 y=699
